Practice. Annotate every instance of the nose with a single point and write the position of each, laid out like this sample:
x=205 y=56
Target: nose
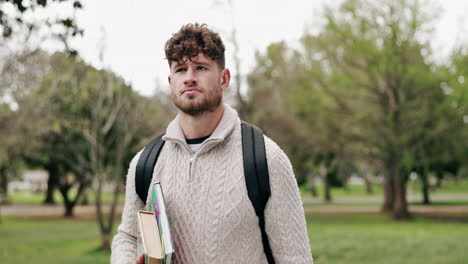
x=190 y=78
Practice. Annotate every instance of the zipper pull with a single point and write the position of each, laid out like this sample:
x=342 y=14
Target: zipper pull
x=190 y=167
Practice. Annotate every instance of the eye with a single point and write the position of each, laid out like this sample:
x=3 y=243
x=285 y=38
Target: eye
x=202 y=68
x=180 y=70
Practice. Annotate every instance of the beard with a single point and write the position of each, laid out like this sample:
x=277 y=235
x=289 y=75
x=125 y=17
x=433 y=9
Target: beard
x=198 y=104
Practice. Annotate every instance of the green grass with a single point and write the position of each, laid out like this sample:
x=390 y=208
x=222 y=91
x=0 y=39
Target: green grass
x=26 y=197
x=372 y=238
x=335 y=239
x=49 y=242
x=352 y=190
x=449 y=186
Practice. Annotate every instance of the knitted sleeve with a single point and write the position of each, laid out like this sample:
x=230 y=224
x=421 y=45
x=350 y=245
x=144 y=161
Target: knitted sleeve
x=285 y=223
x=124 y=244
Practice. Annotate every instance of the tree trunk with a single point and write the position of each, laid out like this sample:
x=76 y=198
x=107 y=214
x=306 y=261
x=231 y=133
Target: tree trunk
x=313 y=190
x=400 y=208
x=389 y=196
x=106 y=245
x=311 y=185
x=326 y=187
x=324 y=173
x=345 y=176
x=69 y=210
x=69 y=203
x=85 y=197
x=3 y=185
x=106 y=231
x=368 y=183
x=425 y=188
x=52 y=183
x=439 y=181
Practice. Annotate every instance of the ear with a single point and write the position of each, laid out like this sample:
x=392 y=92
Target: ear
x=169 y=79
x=225 y=78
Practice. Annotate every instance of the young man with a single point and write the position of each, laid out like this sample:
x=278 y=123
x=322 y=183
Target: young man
x=201 y=172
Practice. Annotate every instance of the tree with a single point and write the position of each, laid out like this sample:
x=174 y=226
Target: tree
x=364 y=88
x=119 y=121
x=281 y=102
x=19 y=17
x=20 y=125
x=98 y=124
x=63 y=148
x=456 y=97
x=370 y=60
x=268 y=105
x=18 y=23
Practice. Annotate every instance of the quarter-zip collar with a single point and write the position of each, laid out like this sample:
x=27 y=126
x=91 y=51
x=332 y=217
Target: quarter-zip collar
x=225 y=127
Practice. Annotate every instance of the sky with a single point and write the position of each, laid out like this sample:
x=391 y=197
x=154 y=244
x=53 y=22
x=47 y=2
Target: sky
x=130 y=34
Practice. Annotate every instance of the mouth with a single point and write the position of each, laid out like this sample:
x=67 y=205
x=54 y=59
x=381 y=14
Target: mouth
x=191 y=91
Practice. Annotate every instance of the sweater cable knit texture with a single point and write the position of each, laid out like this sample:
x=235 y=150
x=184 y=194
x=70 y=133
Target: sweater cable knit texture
x=212 y=218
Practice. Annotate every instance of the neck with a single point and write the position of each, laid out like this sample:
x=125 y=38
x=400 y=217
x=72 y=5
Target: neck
x=201 y=125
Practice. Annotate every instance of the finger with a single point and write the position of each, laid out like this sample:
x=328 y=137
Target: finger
x=140 y=259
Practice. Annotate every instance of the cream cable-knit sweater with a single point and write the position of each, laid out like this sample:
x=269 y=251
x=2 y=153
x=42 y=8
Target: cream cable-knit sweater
x=212 y=218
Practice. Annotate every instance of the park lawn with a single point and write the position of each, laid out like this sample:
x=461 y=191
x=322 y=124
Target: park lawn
x=26 y=197
x=373 y=238
x=449 y=186
x=50 y=241
x=335 y=238
x=352 y=190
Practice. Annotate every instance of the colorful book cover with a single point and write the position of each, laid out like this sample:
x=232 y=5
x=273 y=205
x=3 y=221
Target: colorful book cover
x=158 y=206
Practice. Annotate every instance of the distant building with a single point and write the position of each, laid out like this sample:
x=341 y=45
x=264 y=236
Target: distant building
x=354 y=179
x=33 y=180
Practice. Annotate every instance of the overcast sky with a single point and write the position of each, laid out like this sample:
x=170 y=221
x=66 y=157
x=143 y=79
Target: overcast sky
x=134 y=32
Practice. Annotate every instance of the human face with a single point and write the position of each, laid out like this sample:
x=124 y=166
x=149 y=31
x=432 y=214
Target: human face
x=197 y=85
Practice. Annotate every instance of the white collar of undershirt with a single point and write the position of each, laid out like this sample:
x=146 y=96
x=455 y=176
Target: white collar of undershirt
x=195 y=147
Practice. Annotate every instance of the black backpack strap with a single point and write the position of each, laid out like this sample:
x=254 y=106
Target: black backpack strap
x=256 y=177
x=145 y=166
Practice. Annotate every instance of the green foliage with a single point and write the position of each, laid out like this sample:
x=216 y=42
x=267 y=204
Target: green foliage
x=84 y=124
x=363 y=95
x=268 y=107
x=20 y=19
x=90 y=113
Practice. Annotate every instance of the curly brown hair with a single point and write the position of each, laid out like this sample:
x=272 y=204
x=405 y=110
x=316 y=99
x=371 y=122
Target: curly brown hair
x=192 y=39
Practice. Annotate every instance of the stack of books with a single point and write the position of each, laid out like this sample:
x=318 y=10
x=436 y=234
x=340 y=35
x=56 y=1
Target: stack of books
x=155 y=231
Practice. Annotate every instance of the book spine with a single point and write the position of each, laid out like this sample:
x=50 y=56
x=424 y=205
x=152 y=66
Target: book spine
x=166 y=232
x=158 y=207
x=140 y=235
